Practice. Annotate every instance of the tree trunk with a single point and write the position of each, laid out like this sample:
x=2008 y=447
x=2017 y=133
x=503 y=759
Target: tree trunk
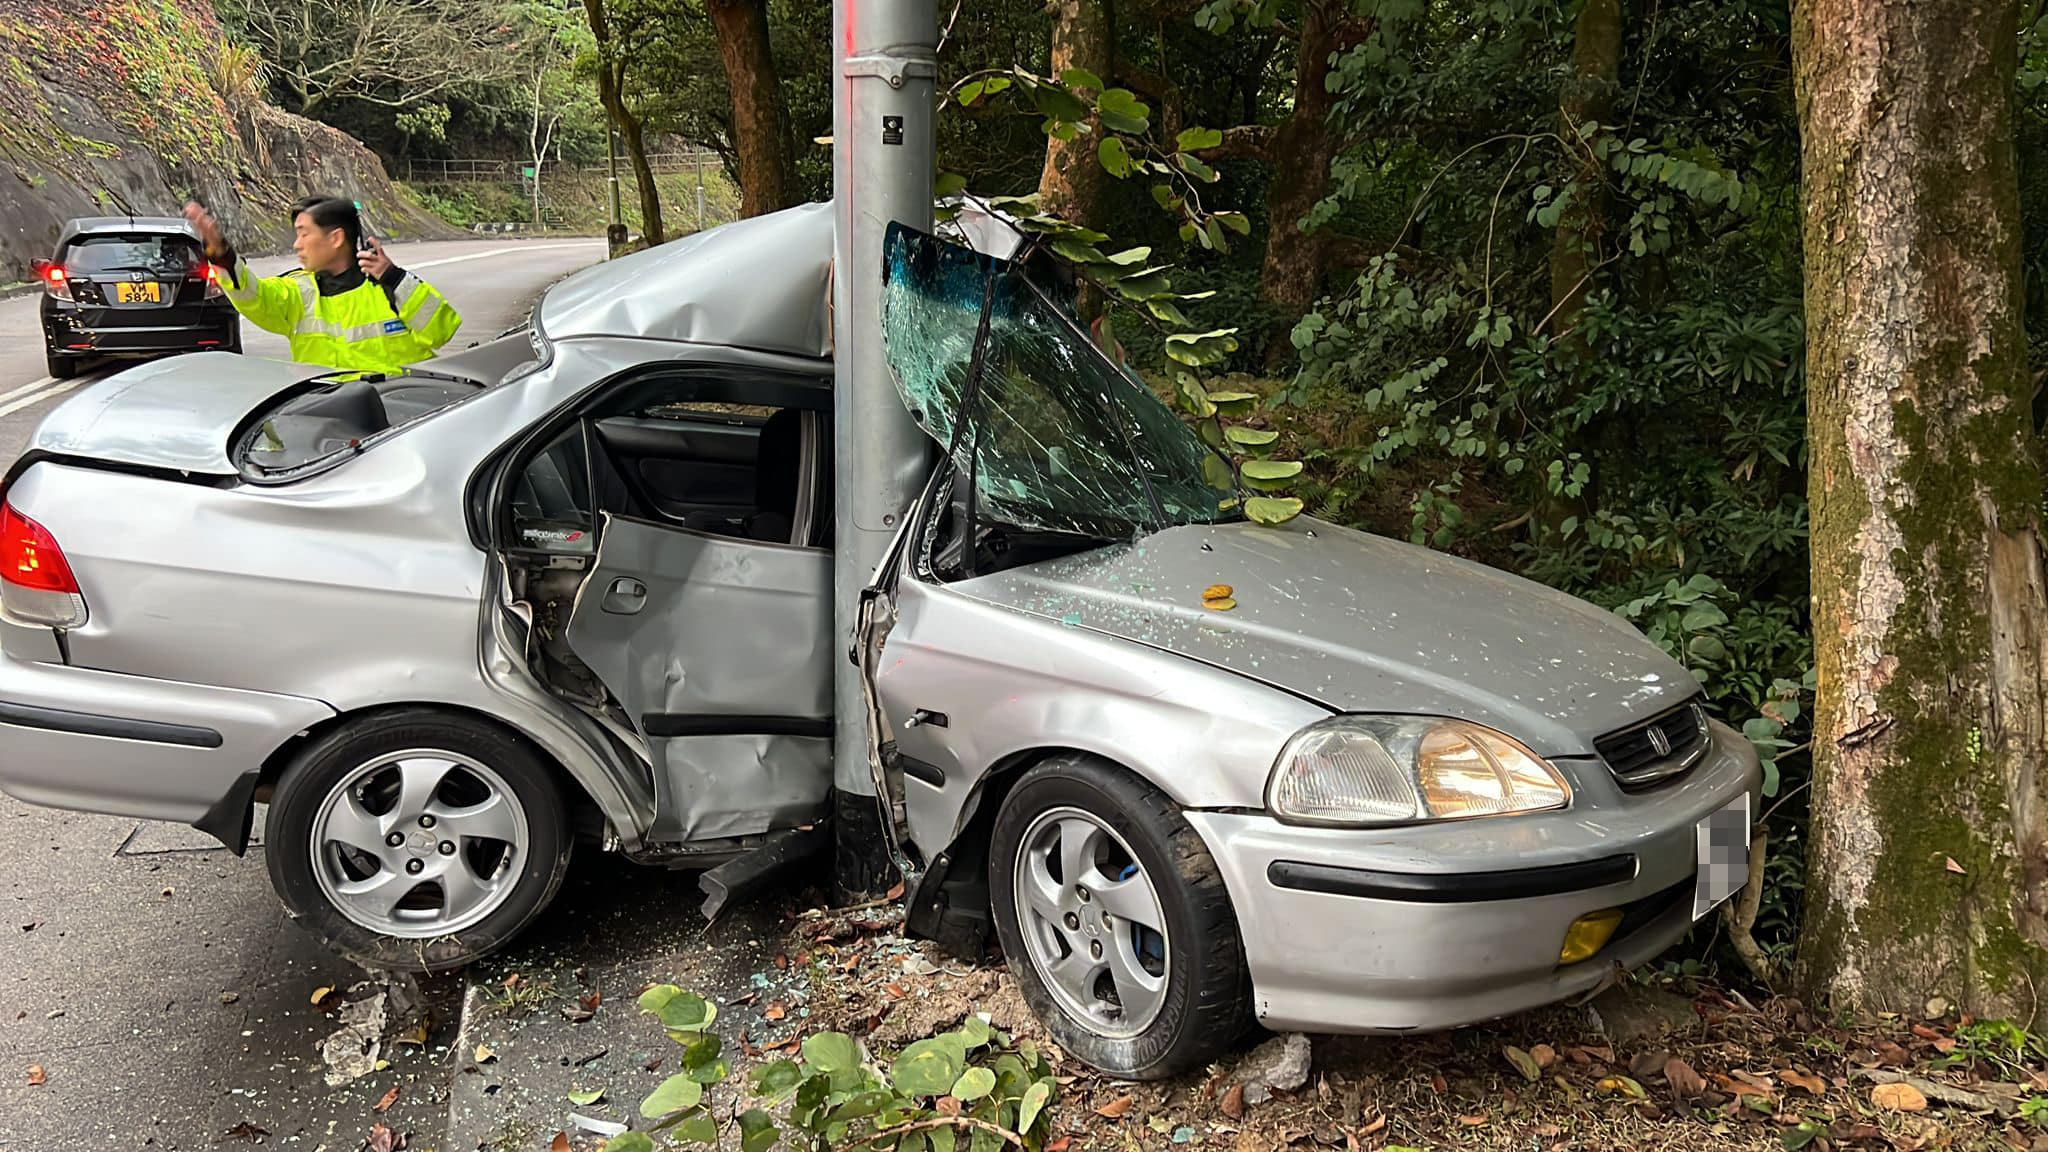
x=1298 y=155
x=760 y=119
x=643 y=176
x=611 y=77
x=1070 y=186
x=1928 y=872
x=1586 y=97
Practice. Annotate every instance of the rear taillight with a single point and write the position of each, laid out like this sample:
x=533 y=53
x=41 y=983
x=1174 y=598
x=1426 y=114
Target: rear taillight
x=214 y=275
x=57 y=282
x=36 y=582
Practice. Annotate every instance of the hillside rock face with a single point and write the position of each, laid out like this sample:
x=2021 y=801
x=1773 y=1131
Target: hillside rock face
x=134 y=106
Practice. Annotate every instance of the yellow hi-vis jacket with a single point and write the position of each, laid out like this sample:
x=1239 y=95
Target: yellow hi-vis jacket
x=348 y=321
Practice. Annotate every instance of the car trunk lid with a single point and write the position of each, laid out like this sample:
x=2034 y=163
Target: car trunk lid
x=178 y=415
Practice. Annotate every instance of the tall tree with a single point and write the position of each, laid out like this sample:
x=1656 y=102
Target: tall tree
x=1297 y=151
x=1083 y=37
x=614 y=53
x=760 y=118
x=1587 y=98
x=1929 y=871
x=392 y=53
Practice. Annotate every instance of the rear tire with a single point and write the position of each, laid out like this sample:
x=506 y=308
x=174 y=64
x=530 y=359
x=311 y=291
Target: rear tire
x=1136 y=1001
x=61 y=367
x=481 y=832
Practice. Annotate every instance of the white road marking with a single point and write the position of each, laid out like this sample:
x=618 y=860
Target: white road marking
x=499 y=252
x=26 y=388
x=38 y=397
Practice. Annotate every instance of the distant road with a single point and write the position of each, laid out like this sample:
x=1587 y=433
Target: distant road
x=492 y=282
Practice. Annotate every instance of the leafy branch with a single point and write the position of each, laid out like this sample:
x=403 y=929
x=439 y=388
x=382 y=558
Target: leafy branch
x=1079 y=102
x=975 y=1080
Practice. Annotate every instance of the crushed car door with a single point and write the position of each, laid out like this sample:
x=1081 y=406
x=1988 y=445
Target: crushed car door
x=714 y=635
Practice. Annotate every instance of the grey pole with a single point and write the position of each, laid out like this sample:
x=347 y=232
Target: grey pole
x=885 y=64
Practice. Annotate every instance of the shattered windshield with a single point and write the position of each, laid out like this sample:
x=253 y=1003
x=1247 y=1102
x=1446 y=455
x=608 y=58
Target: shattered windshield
x=1061 y=440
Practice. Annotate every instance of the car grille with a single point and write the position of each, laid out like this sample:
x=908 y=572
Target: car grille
x=1659 y=749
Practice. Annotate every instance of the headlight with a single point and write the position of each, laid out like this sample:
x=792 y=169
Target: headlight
x=1355 y=770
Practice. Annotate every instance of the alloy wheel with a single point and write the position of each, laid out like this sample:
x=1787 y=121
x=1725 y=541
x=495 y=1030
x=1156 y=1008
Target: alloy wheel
x=419 y=843
x=1092 y=922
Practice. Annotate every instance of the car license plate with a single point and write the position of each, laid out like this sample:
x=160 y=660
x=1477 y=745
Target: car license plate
x=147 y=292
x=1723 y=839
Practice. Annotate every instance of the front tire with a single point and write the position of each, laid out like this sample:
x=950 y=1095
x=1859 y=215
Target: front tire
x=417 y=840
x=1115 y=921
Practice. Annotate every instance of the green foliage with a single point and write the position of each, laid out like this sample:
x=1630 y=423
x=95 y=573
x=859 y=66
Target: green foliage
x=1077 y=103
x=974 y=1088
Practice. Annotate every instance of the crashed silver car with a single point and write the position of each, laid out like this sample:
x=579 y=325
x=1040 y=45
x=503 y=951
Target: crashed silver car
x=573 y=587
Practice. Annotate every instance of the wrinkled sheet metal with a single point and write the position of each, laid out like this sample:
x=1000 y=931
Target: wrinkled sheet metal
x=757 y=283
x=176 y=414
x=1061 y=439
x=723 y=786
x=729 y=628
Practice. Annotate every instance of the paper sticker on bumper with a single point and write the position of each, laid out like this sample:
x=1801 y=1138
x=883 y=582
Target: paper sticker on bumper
x=1723 y=839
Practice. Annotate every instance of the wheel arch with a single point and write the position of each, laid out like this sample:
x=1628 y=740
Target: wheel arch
x=586 y=815
x=950 y=903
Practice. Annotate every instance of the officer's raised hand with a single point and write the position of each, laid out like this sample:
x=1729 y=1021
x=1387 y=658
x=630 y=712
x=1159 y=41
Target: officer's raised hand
x=207 y=227
x=376 y=265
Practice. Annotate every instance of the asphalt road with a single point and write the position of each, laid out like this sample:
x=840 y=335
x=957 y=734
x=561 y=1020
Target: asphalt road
x=492 y=282
x=151 y=976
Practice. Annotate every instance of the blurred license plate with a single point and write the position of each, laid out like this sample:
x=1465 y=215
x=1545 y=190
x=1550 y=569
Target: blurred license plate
x=1723 y=839
x=147 y=292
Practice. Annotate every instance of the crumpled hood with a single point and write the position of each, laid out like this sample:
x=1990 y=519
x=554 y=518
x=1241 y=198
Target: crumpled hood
x=176 y=413
x=1361 y=623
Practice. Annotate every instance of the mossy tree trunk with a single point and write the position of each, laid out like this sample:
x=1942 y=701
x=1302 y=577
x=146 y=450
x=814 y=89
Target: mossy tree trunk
x=1071 y=183
x=1929 y=873
x=1586 y=97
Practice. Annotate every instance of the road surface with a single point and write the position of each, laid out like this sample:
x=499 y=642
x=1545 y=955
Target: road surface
x=151 y=976
x=492 y=282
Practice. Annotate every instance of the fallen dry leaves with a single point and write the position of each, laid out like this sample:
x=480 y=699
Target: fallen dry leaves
x=1117 y=1108
x=36 y=1075
x=560 y=1143
x=1233 y=1102
x=1812 y=1084
x=384 y=1139
x=1898 y=1098
x=389 y=1099
x=1685 y=1083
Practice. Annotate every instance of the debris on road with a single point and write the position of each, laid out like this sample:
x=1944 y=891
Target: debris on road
x=1280 y=1064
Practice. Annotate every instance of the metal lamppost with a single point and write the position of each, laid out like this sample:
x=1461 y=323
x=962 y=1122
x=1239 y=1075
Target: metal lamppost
x=884 y=68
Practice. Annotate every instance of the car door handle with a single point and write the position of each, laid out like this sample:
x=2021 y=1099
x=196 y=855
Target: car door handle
x=625 y=597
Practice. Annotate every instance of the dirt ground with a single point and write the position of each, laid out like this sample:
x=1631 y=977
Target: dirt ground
x=1648 y=1065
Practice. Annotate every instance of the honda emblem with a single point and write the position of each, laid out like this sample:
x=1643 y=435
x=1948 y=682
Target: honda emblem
x=1660 y=742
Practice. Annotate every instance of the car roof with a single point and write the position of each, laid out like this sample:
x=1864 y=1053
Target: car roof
x=121 y=225
x=762 y=283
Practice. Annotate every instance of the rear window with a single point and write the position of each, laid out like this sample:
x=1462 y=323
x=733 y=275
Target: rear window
x=339 y=416
x=167 y=255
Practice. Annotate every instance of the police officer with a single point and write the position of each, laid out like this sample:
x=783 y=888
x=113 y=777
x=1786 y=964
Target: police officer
x=347 y=305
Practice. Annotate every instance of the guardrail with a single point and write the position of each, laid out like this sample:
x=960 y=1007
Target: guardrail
x=462 y=170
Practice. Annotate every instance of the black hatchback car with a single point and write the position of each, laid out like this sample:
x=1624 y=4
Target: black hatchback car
x=131 y=286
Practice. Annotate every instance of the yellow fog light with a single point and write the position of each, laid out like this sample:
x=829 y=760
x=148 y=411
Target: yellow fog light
x=1588 y=935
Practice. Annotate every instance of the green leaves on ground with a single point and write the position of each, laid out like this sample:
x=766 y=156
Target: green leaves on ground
x=974 y=1087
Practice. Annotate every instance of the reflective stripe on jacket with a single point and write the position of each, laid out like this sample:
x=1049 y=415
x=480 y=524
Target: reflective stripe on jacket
x=358 y=328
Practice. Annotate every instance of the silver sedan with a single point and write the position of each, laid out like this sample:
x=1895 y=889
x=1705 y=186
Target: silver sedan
x=573 y=587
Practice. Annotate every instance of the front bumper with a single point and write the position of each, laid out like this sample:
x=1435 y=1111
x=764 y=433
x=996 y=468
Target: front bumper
x=1435 y=926
x=133 y=746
